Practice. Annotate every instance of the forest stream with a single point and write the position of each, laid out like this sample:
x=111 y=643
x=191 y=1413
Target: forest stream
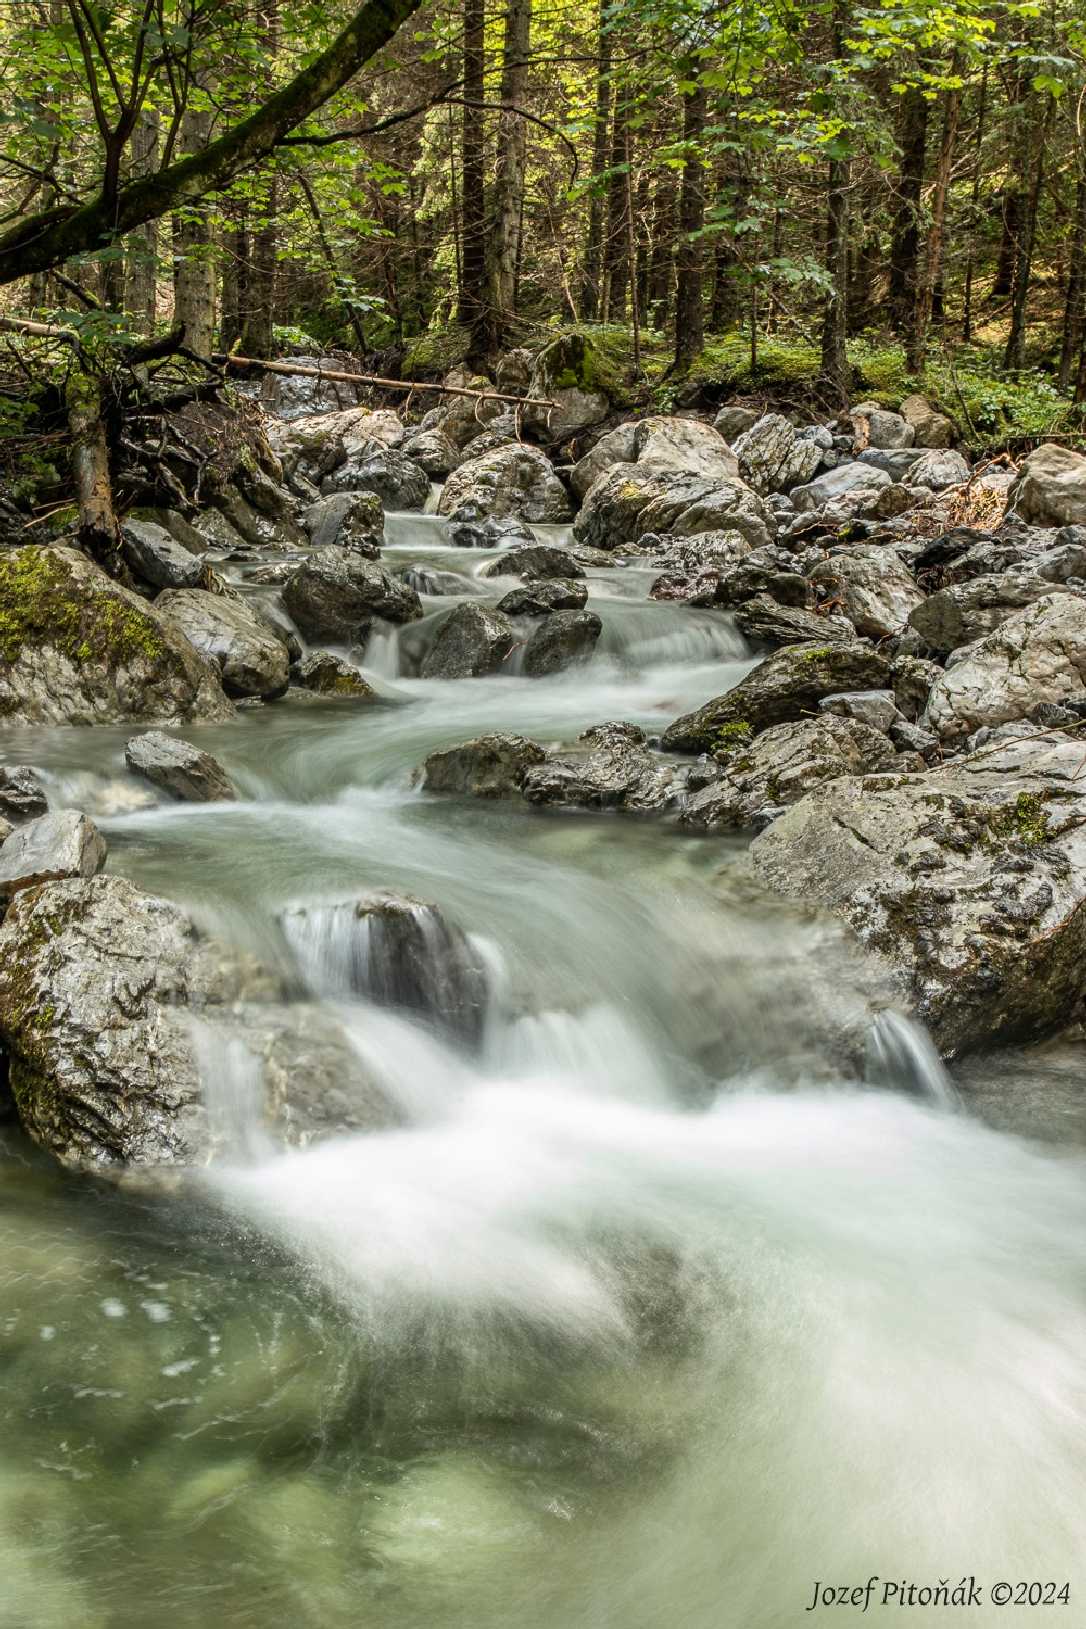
x=645 y=1314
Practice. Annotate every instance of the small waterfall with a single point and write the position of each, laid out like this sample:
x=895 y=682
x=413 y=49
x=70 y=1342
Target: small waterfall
x=383 y=651
x=233 y=1082
x=901 y=1057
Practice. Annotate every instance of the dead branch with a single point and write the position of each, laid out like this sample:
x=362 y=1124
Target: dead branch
x=335 y=376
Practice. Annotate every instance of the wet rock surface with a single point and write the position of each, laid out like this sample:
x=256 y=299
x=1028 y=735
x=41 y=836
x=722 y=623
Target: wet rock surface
x=179 y=768
x=252 y=658
x=62 y=843
x=336 y=593
x=473 y=640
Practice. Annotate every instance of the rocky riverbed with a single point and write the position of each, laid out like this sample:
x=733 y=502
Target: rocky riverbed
x=506 y=908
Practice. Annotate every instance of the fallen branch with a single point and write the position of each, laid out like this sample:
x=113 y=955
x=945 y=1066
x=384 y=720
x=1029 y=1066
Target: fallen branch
x=38 y=330
x=335 y=376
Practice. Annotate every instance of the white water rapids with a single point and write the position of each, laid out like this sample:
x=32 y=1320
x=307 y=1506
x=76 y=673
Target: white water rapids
x=655 y=1310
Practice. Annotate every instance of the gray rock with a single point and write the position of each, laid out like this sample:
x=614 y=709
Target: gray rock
x=555 y=594
x=113 y=1006
x=329 y=675
x=77 y=648
x=349 y=520
x=515 y=481
x=610 y=766
x=534 y=564
x=939 y=469
x=433 y=452
x=664 y=442
x=271 y=523
x=490 y=766
x=472 y=641
x=513 y=371
x=618 y=446
x=878 y=428
x=763 y=618
x=876 y=708
x=1037 y=654
x=853 y=481
x=179 y=768
x=897 y=463
x=787 y=685
x=781 y=765
x=336 y=593
x=252 y=659
x=773 y=458
x=968 y=881
x=630 y=501
x=732 y=422
x=566 y=372
x=62 y=843
x=157 y=558
x=931 y=429
x=397 y=480
x=911 y=738
x=875 y=591
x=22 y=795
x=563 y=639
x=466 y=417
x=968 y=611
x=469 y=530
x=912 y=678
x=1051 y=487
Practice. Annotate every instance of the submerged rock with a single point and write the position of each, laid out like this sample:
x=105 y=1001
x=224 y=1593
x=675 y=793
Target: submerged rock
x=336 y=593
x=534 y=564
x=515 y=481
x=252 y=659
x=330 y=675
x=969 y=881
x=63 y=843
x=610 y=766
x=112 y=1008
x=563 y=639
x=77 y=648
x=181 y=769
x=472 y=641
x=538 y=600
x=786 y=686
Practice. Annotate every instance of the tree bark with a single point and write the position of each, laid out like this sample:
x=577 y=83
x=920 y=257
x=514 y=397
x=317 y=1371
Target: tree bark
x=194 y=274
x=1014 y=357
x=835 y=316
x=258 y=308
x=905 y=243
x=99 y=532
x=616 y=256
x=930 y=280
x=504 y=235
x=473 y=170
x=690 y=252
x=591 y=287
x=141 y=289
x=662 y=257
x=1074 y=310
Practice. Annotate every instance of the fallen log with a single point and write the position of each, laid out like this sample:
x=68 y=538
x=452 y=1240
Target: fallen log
x=337 y=376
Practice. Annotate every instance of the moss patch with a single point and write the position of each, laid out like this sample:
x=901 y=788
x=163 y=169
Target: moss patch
x=1023 y=821
x=729 y=738
x=42 y=603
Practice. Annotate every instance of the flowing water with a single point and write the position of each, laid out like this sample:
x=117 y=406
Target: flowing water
x=654 y=1310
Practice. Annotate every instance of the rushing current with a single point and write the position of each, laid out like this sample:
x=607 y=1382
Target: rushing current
x=651 y=1313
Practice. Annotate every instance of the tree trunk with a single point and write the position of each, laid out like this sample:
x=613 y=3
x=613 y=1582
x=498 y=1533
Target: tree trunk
x=99 y=532
x=473 y=171
x=835 y=316
x=726 y=302
x=591 y=287
x=504 y=236
x=662 y=257
x=194 y=278
x=616 y=255
x=690 y=252
x=1074 y=310
x=974 y=212
x=1014 y=357
x=905 y=243
x=930 y=282
x=141 y=290
x=258 y=308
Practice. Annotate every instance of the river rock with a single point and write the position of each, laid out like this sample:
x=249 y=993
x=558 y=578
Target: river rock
x=630 y=501
x=397 y=480
x=252 y=659
x=787 y=685
x=732 y=421
x=567 y=373
x=336 y=593
x=555 y=594
x=473 y=640
x=875 y=591
x=22 y=795
x=535 y=564
x=781 y=765
x=618 y=446
x=434 y=452
x=563 y=639
x=968 y=611
x=157 y=558
x=77 y=648
x=465 y=417
x=179 y=768
x=469 y=529
x=610 y=766
x=514 y=481
x=399 y=952
x=939 y=469
x=664 y=442
x=490 y=766
x=895 y=462
x=930 y=429
x=876 y=708
x=110 y=1002
x=1051 y=487
x=349 y=520
x=762 y=618
x=1037 y=654
x=969 y=881
x=874 y=426
x=329 y=675
x=772 y=457
x=62 y=843
x=855 y=483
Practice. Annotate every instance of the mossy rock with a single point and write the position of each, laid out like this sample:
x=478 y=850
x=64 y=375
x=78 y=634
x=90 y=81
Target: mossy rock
x=77 y=648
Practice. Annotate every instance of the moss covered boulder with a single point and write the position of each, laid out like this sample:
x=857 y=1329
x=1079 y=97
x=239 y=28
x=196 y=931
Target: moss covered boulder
x=571 y=373
x=77 y=648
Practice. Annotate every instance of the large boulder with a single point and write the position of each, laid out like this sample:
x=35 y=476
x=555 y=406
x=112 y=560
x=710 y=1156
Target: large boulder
x=22 y=795
x=664 y=442
x=179 y=768
x=772 y=458
x=541 y=598
x=567 y=373
x=967 y=611
x=563 y=639
x=874 y=426
x=394 y=478
x=872 y=587
x=113 y=1010
x=764 y=619
x=535 y=563
x=782 y=765
x=513 y=481
x=618 y=446
x=62 y=843
x=733 y=420
x=1051 y=487
x=156 y=557
x=939 y=469
x=969 y=881
x=336 y=593
x=473 y=640
x=253 y=660
x=400 y=952
x=77 y=648
x=787 y=685
x=434 y=452
x=853 y=484
x=1038 y=654
x=349 y=520
x=489 y=766
x=930 y=428
x=329 y=675
x=631 y=501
